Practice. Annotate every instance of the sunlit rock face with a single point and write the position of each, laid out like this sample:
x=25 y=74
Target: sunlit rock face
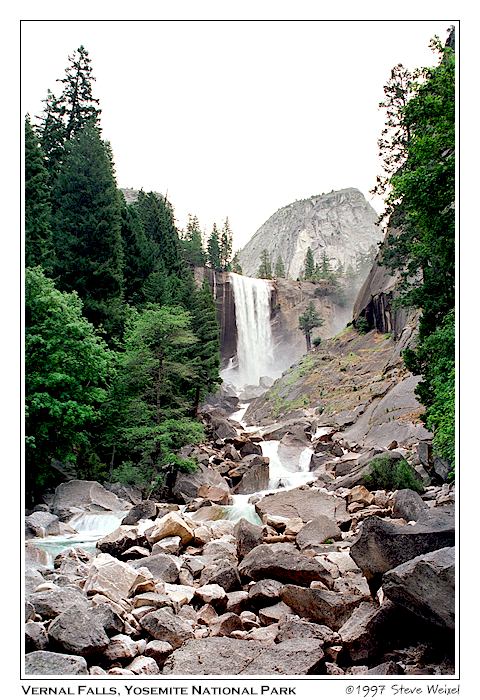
x=341 y=224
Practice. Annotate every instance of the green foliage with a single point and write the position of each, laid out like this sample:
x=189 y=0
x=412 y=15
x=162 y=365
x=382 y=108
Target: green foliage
x=192 y=243
x=139 y=259
x=265 y=269
x=309 y=320
x=226 y=246
x=207 y=352
x=38 y=231
x=236 y=267
x=279 y=268
x=66 y=377
x=362 y=325
x=317 y=341
x=420 y=162
x=309 y=266
x=213 y=249
x=87 y=230
x=390 y=475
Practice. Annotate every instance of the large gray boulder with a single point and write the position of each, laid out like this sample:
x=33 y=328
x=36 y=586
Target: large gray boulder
x=163 y=567
x=383 y=545
x=425 y=585
x=50 y=604
x=304 y=503
x=121 y=539
x=233 y=657
x=283 y=562
x=165 y=626
x=248 y=536
x=49 y=663
x=84 y=495
x=141 y=511
x=317 y=531
x=79 y=630
x=41 y=524
x=367 y=630
x=255 y=479
x=409 y=505
x=187 y=486
x=325 y=607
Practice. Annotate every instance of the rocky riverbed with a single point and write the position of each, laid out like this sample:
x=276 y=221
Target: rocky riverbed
x=328 y=578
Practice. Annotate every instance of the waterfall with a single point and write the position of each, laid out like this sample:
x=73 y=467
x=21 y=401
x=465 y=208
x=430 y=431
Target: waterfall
x=254 y=334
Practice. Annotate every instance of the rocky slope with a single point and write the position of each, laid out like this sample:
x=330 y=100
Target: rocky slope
x=341 y=224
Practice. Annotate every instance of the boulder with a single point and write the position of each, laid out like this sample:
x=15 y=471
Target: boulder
x=36 y=638
x=237 y=601
x=121 y=539
x=170 y=525
x=163 y=567
x=301 y=629
x=169 y=545
x=304 y=503
x=49 y=604
x=86 y=495
x=131 y=494
x=360 y=494
x=441 y=469
x=165 y=626
x=215 y=493
x=121 y=647
x=212 y=593
x=366 y=632
x=425 y=585
x=187 y=485
x=222 y=573
x=274 y=613
x=80 y=631
x=248 y=447
x=49 y=663
x=41 y=524
x=325 y=607
x=143 y=666
x=255 y=479
x=382 y=545
x=225 y=624
x=264 y=592
x=142 y=511
x=283 y=562
x=248 y=536
x=33 y=578
x=213 y=512
x=232 y=657
x=112 y=578
x=407 y=504
x=159 y=651
x=389 y=668
x=317 y=531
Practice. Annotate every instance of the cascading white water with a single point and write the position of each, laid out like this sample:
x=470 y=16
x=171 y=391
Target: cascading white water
x=254 y=334
x=287 y=475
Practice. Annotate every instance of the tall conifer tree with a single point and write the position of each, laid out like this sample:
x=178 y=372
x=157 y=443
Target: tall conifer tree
x=38 y=231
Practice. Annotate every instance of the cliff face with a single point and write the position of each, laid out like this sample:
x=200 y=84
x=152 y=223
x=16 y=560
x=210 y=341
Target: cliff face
x=225 y=303
x=341 y=224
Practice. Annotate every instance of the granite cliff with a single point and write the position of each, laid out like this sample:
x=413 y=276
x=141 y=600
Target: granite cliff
x=341 y=224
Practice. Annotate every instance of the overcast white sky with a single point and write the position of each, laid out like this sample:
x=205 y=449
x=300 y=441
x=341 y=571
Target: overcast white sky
x=234 y=118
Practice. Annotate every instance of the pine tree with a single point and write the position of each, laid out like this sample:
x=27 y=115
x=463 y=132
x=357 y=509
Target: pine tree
x=236 y=267
x=309 y=320
x=51 y=132
x=139 y=254
x=192 y=243
x=265 y=269
x=226 y=246
x=309 y=266
x=157 y=216
x=279 y=268
x=213 y=249
x=207 y=354
x=38 y=231
x=87 y=230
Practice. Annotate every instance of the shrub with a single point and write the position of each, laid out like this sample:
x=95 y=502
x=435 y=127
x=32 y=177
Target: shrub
x=390 y=475
x=362 y=325
x=316 y=341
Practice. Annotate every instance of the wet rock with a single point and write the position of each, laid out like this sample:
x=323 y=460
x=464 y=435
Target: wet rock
x=41 y=524
x=409 y=505
x=326 y=607
x=163 y=567
x=248 y=447
x=49 y=663
x=306 y=504
x=425 y=585
x=248 y=536
x=78 y=630
x=142 y=511
x=317 y=531
x=255 y=479
x=170 y=525
x=283 y=562
x=264 y=592
x=165 y=626
x=382 y=546
x=36 y=638
x=86 y=495
x=49 y=604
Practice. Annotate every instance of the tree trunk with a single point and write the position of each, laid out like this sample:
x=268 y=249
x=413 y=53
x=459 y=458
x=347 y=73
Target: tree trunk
x=309 y=340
